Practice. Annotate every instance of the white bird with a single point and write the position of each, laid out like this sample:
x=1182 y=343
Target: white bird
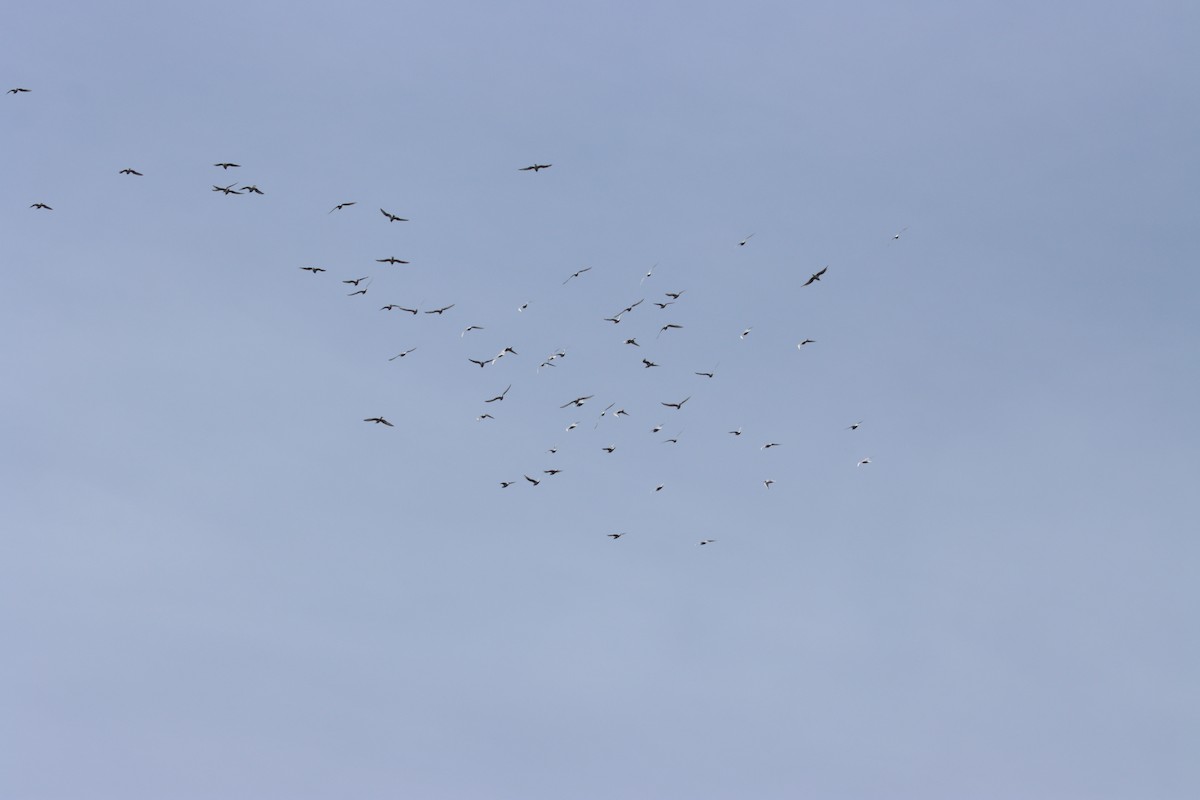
x=864 y=461
x=745 y=333
x=649 y=272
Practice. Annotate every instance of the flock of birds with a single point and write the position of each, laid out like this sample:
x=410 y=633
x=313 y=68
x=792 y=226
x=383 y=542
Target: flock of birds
x=361 y=286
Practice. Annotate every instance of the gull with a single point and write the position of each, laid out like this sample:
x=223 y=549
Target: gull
x=552 y=450
x=499 y=396
x=392 y=217
x=573 y=425
x=17 y=90
x=632 y=306
x=615 y=536
x=379 y=421
x=806 y=341
x=532 y=480
x=620 y=412
x=552 y=472
x=648 y=363
x=226 y=165
x=767 y=483
x=441 y=310
x=506 y=484
x=864 y=461
x=394 y=307
x=226 y=189
x=668 y=327
x=738 y=432
x=481 y=364
x=659 y=488
x=402 y=355
x=609 y=449
x=605 y=411
x=769 y=445
x=706 y=541
x=128 y=171
x=313 y=270
x=501 y=354
x=672 y=440
x=340 y=206
x=614 y=320
x=485 y=416
x=745 y=333
x=649 y=272
x=664 y=305
x=356 y=281
x=675 y=295
x=253 y=189
x=535 y=167
x=855 y=426
x=816 y=276
x=897 y=234
x=742 y=243
x=523 y=306
x=390 y=260
x=578 y=401
x=470 y=328
x=656 y=429
x=360 y=291
x=679 y=405
x=632 y=342
x=41 y=205
x=706 y=374
x=576 y=274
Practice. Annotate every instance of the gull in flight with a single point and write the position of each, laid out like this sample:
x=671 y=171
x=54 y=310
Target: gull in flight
x=632 y=342
x=470 y=328
x=648 y=363
x=360 y=291
x=615 y=536
x=226 y=189
x=767 y=483
x=523 y=306
x=745 y=333
x=649 y=272
x=897 y=234
x=17 y=90
x=679 y=405
x=41 y=205
x=656 y=429
x=402 y=355
x=506 y=484
x=356 y=281
x=573 y=425
x=806 y=341
x=664 y=305
x=499 y=396
x=769 y=445
x=576 y=274
x=738 y=432
x=552 y=472
x=855 y=426
x=485 y=416
x=609 y=449
x=742 y=243
x=392 y=217
x=128 y=171
x=675 y=295
x=226 y=165
x=578 y=401
x=441 y=310
x=816 y=276
x=340 y=206
x=252 y=189
x=864 y=461
x=706 y=541
x=535 y=167
x=394 y=307
x=481 y=364
x=313 y=270
x=390 y=260
x=379 y=421
x=532 y=480
x=667 y=327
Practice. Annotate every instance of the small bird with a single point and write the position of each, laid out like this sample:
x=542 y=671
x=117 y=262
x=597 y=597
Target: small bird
x=614 y=320
x=648 y=363
x=632 y=306
x=441 y=310
x=470 y=328
x=864 y=461
x=897 y=234
x=738 y=432
x=573 y=425
x=667 y=327
x=670 y=441
x=855 y=426
x=816 y=276
x=392 y=217
x=532 y=480
x=226 y=189
x=615 y=536
x=675 y=295
x=535 y=167
x=128 y=171
x=679 y=405
x=506 y=484
x=340 y=206
x=17 y=90
x=649 y=272
x=656 y=429
x=226 y=165
x=360 y=291
x=767 y=483
x=379 y=421
x=394 y=307
x=356 y=281
x=552 y=472
x=659 y=488
x=706 y=374
x=664 y=305
x=578 y=401
x=742 y=243
x=499 y=396
x=402 y=355
x=252 y=189
x=576 y=274
x=620 y=412
x=552 y=450
x=745 y=333
x=481 y=364
x=806 y=341
x=632 y=342
x=390 y=260
x=522 y=307
x=769 y=445
x=313 y=270
x=706 y=541
x=609 y=449
x=485 y=416
x=41 y=205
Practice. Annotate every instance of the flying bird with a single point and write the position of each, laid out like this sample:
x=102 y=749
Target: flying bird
x=742 y=243
x=656 y=429
x=128 y=171
x=41 y=205
x=578 y=401
x=609 y=449
x=706 y=541
x=767 y=483
x=632 y=342
x=532 y=480
x=552 y=472
x=360 y=291
x=706 y=374
x=535 y=167
x=481 y=364
x=864 y=461
x=470 y=328
x=855 y=426
x=806 y=341
x=769 y=445
x=379 y=421
x=226 y=189
x=897 y=234
x=485 y=416
x=392 y=217
x=614 y=320
x=506 y=484
x=816 y=276
x=745 y=333
x=402 y=355
x=615 y=535
x=675 y=295
x=738 y=432
x=313 y=270
x=679 y=405
x=667 y=327
x=441 y=310
x=356 y=281
x=252 y=189
x=576 y=274
x=340 y=206
x=573 y=425
x=394 y=307
x=17 y=90
x=648 y=363
x=522 y=307
x=659 y=488
x=226 y=165
x=649 y=272
x=390 y=260
x=664 y=305
x=499 y=396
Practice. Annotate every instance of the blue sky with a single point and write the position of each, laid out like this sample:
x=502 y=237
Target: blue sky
x=218 y=581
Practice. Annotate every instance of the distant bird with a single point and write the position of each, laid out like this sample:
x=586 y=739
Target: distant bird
x=667 y=327
x=672 y=440
x=402 y=355
x=340 y=206
x=656 y=429
x=356 y=281
x=252 y=189
x=806 y=341
x=379 y=421
x=864 y=461
x=17 y=90
x=578 y=401
x=632 y=342
x=552 y=450
x=615 y=535
x=659 y=488
x=855 y=426
x=679 y=405
x=620 y=412
x=706 y=541
x=499 y=396
x=745 y=333
x=313 y=270
x=552 y=472
x=485 y=416
x=664 y=305
x=226 y=189
x=226 y=165
x=470 y=328
x=769 y=445
x=614 y=320
x=480 y=363
x=41 y=205
x=506 y=484
x=576 y=274
x=394 y=307
x=767 y=483
x=648 y=363
x=392 y=217
x=816 y=276
x=632 y=306
x=360 y=291
x=675 y=295
x=390 y=260
x=523 y=306
x=441 y=310
x=649 y=272
x=706 y=374
x=897 y=234
x=742 y=243
x=532 y=480
x=738 y=432
x=573 y=425
x=128 y=171
x=609 y=449
x=535 y=167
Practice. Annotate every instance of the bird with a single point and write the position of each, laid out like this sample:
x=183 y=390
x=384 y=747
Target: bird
x=355 y=281
x=506 y=484
x=609 y=449
x=226 y=165
x=816 y=276
x=679 y=405
x=17 y=90
x=392 y=217
x=41 y=205
x=578 y=401
x=806 y=341
x=745 y=333
x=402 y=355
x=615 y=535
x=667 y=327
x=864 y=461
x=313 y=270
x=742 y=243
x=379 y=421
x=659 y=488
x=552 y=472
x=656 y=429
x=767 y=483
x=706 y=374
x=648 y=363
x=614 y=320
x=481 y=364
x=128 y=171
x=573 y=425
x=896 y=235
x=855 y=426
x=620 y=412
x=649 y=272
x=552 y=450
x=390 y=260
x=769 y=445
x=664 y=305
x=360 y=291
x=632 y=342
x=470 y=328
x=340 y=206
x=441 y=310
x=499 y=396
x=534 y=481
x=522 y=307
x=226 y=189
x=576 y=274
x=738 y=432
x=394 y=307
x=675 y=295
x=706 y=541
x=632 y=306
x=535 y=167
x=252 y=189
x=670 y=441
x=485 y=416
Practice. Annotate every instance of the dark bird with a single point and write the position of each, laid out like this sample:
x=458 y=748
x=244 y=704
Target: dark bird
x=615 y=535
x=855 y=426
x=392 y=217
x=609 y=449
x=659 y=488
x=470 y=328
x=816 y=276
x=394 y=307
x=41 y=205
x=128 y=171
x=667 y=327
x=647 y=363
x=614 y=320
x=480 y=363
x=535 y=167
x=226 y=165
x=441 y=310
x=390 y=261
x=17 y=90
x=864 y=461
x=340 y=206
x=738 y=432
x=402 y=355
x=745 y=333
x=897 y=235
x=226 y=189
x=499 y=396
x=552 y=450
x=506 y=484
x=706 y=541
x=769 y=445
x=670 y=441
x=632 y=342
x=313 y=270
x=576 y=274
x=253 y=189
x=675 y=295
x=664 y=305
x=523 y=306
x=552 y=471
x=679 y=405
x=573 y=425
x=767 y=483
x=742 y=243
x=578 y=401
x=706 y=374
x=620 y=412
x=534 y=481
x=360 y=291
x=379 y=421
x=656 y=429
x=485 y=416
x=632 y=306
x=649 y=272
x=806 y=341
x=356 y=281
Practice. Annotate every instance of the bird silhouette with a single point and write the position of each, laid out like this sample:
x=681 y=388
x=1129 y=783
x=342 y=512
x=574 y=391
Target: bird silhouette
x=226 y=165
x=128 y=171
x=816 y=276
x=379 y=421
x=392 y=217
x=535 y=167
x=499 y=396
x=390 y=260
x=679 y=405
x=340 y=206
x=402 y=355
x=441 y=310
x=41 y=205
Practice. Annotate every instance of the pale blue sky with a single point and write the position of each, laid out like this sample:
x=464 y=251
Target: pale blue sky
x=217 y=581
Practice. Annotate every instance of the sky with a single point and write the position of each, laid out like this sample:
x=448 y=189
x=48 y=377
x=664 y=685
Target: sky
x=217 y=581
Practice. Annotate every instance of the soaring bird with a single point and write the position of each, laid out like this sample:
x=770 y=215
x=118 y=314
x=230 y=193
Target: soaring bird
x=647 y=363
x=738 y=432
x=679 y=405
x=769 y=445
x=767 y=483
x=855 y=426
x=313 y=270
x=706 y=374
x=360 y=291
x=632 y=342
x=609 y=449
x=532 y=480
x=578 y=401
x=128 y=171
x=441 y=310
x=659 y=488
x=742 y=243
x=656 y=429
x=499 y=396
x=897 y=234
x=379 y=421
x=664 y=305
x=552 y=472
x=356 y=281
x=402 y=355
x=816 y=276
x=576 y=274
x=394 y=307
x=667 y=327
x=614 y=320
x=392 y=217
x=41 y=205
x=481 y=364
x=706 y=541
x=615 y=535
x=390 y=260
x=675 y=295
x=17 y=90
x=522 y=307
x=470 y=328
x=506 y=484
x=864 y=461
x=227 y=189
x=649 y=272
x=485 y=416
x=252 y=189
x=573 y=425
x=806 y=341
x=535 y=167
x=226 y=165
x=340 y=206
